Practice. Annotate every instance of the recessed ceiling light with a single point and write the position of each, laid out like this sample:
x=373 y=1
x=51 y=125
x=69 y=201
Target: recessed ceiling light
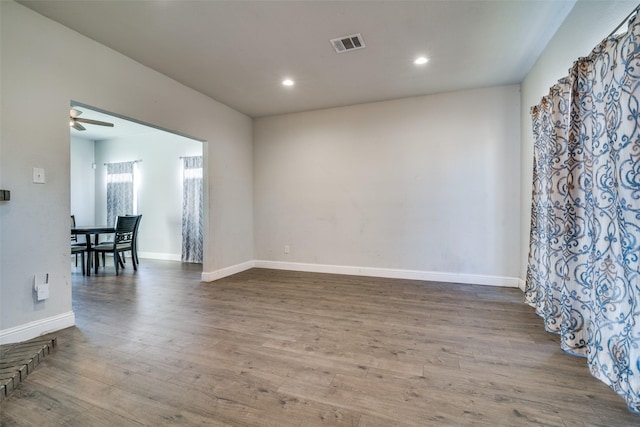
x=288 y=82
x=420 y=60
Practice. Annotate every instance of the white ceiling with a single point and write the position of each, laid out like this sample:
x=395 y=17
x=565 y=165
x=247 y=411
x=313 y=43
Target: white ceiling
x=238 y=52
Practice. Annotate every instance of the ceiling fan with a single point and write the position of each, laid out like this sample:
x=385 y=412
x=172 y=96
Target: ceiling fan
x=75 y=121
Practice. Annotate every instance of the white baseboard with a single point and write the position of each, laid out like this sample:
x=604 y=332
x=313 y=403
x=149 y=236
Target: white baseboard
x=37 y=328
x=434 y=276
x=210 y=276
x=390 y=273
x=521 y=284
x=159 y=255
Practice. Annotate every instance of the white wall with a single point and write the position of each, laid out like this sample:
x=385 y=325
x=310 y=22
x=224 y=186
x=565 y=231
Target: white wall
x=587 y=25
x=159 y=191
x=428 y=183
x=39 y=75
x=82 y=176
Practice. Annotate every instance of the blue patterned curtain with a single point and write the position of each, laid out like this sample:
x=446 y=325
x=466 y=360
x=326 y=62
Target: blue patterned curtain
x=583 y=276
x=192 y=212
x=119 y=190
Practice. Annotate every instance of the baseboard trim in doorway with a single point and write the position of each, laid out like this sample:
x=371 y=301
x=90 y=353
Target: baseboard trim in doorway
x=390 y=273
x=37 y=328
x=210 y=276
x=521 y=284
x=159 y=255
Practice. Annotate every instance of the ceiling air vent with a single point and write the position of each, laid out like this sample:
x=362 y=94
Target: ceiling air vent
x=347 y=43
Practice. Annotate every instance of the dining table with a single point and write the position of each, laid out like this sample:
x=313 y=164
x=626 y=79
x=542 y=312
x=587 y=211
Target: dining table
x=88 y=231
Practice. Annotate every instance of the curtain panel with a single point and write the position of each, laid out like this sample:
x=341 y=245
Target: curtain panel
x=583 y=275
x=119 y=190
x=192 y=211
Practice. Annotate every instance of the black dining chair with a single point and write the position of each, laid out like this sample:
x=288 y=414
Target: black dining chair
x=123 y=241
x=134 y=252
x=77 y=248
x=74 y=238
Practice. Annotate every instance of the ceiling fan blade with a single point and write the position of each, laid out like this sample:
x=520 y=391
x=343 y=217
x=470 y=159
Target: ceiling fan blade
x=93 y=122
x=75 y=113
x=77 y=126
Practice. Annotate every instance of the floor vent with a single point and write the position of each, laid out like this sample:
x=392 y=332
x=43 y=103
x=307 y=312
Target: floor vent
x=347 y=43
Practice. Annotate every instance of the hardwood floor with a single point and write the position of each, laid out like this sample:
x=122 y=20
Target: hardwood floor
x=275 y=348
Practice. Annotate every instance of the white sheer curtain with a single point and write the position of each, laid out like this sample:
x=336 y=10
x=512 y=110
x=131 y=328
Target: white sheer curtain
x=583 y=276
x=192 y=211
x=120 y=190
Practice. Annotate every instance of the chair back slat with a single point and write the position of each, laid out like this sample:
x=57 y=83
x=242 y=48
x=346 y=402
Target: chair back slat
x=134 y=252
x=125 y=227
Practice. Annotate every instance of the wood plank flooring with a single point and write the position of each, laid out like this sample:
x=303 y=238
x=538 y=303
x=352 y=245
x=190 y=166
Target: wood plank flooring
x=275 y=348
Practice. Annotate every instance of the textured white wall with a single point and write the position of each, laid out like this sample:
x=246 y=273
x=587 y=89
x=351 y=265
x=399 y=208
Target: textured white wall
x=587 y=25
x=427 y=183
x=45 y=66
x=82 y=177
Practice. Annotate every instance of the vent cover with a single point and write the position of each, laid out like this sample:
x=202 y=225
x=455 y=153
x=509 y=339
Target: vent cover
x=347 y=43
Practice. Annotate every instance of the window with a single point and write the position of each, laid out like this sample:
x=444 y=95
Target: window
x=192 y=211
x=120 y=191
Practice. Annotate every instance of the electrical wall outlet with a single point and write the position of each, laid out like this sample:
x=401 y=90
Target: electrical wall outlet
x=286 y=249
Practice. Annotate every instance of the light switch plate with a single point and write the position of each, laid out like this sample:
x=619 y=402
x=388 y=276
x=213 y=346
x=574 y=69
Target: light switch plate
x=38 y=175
